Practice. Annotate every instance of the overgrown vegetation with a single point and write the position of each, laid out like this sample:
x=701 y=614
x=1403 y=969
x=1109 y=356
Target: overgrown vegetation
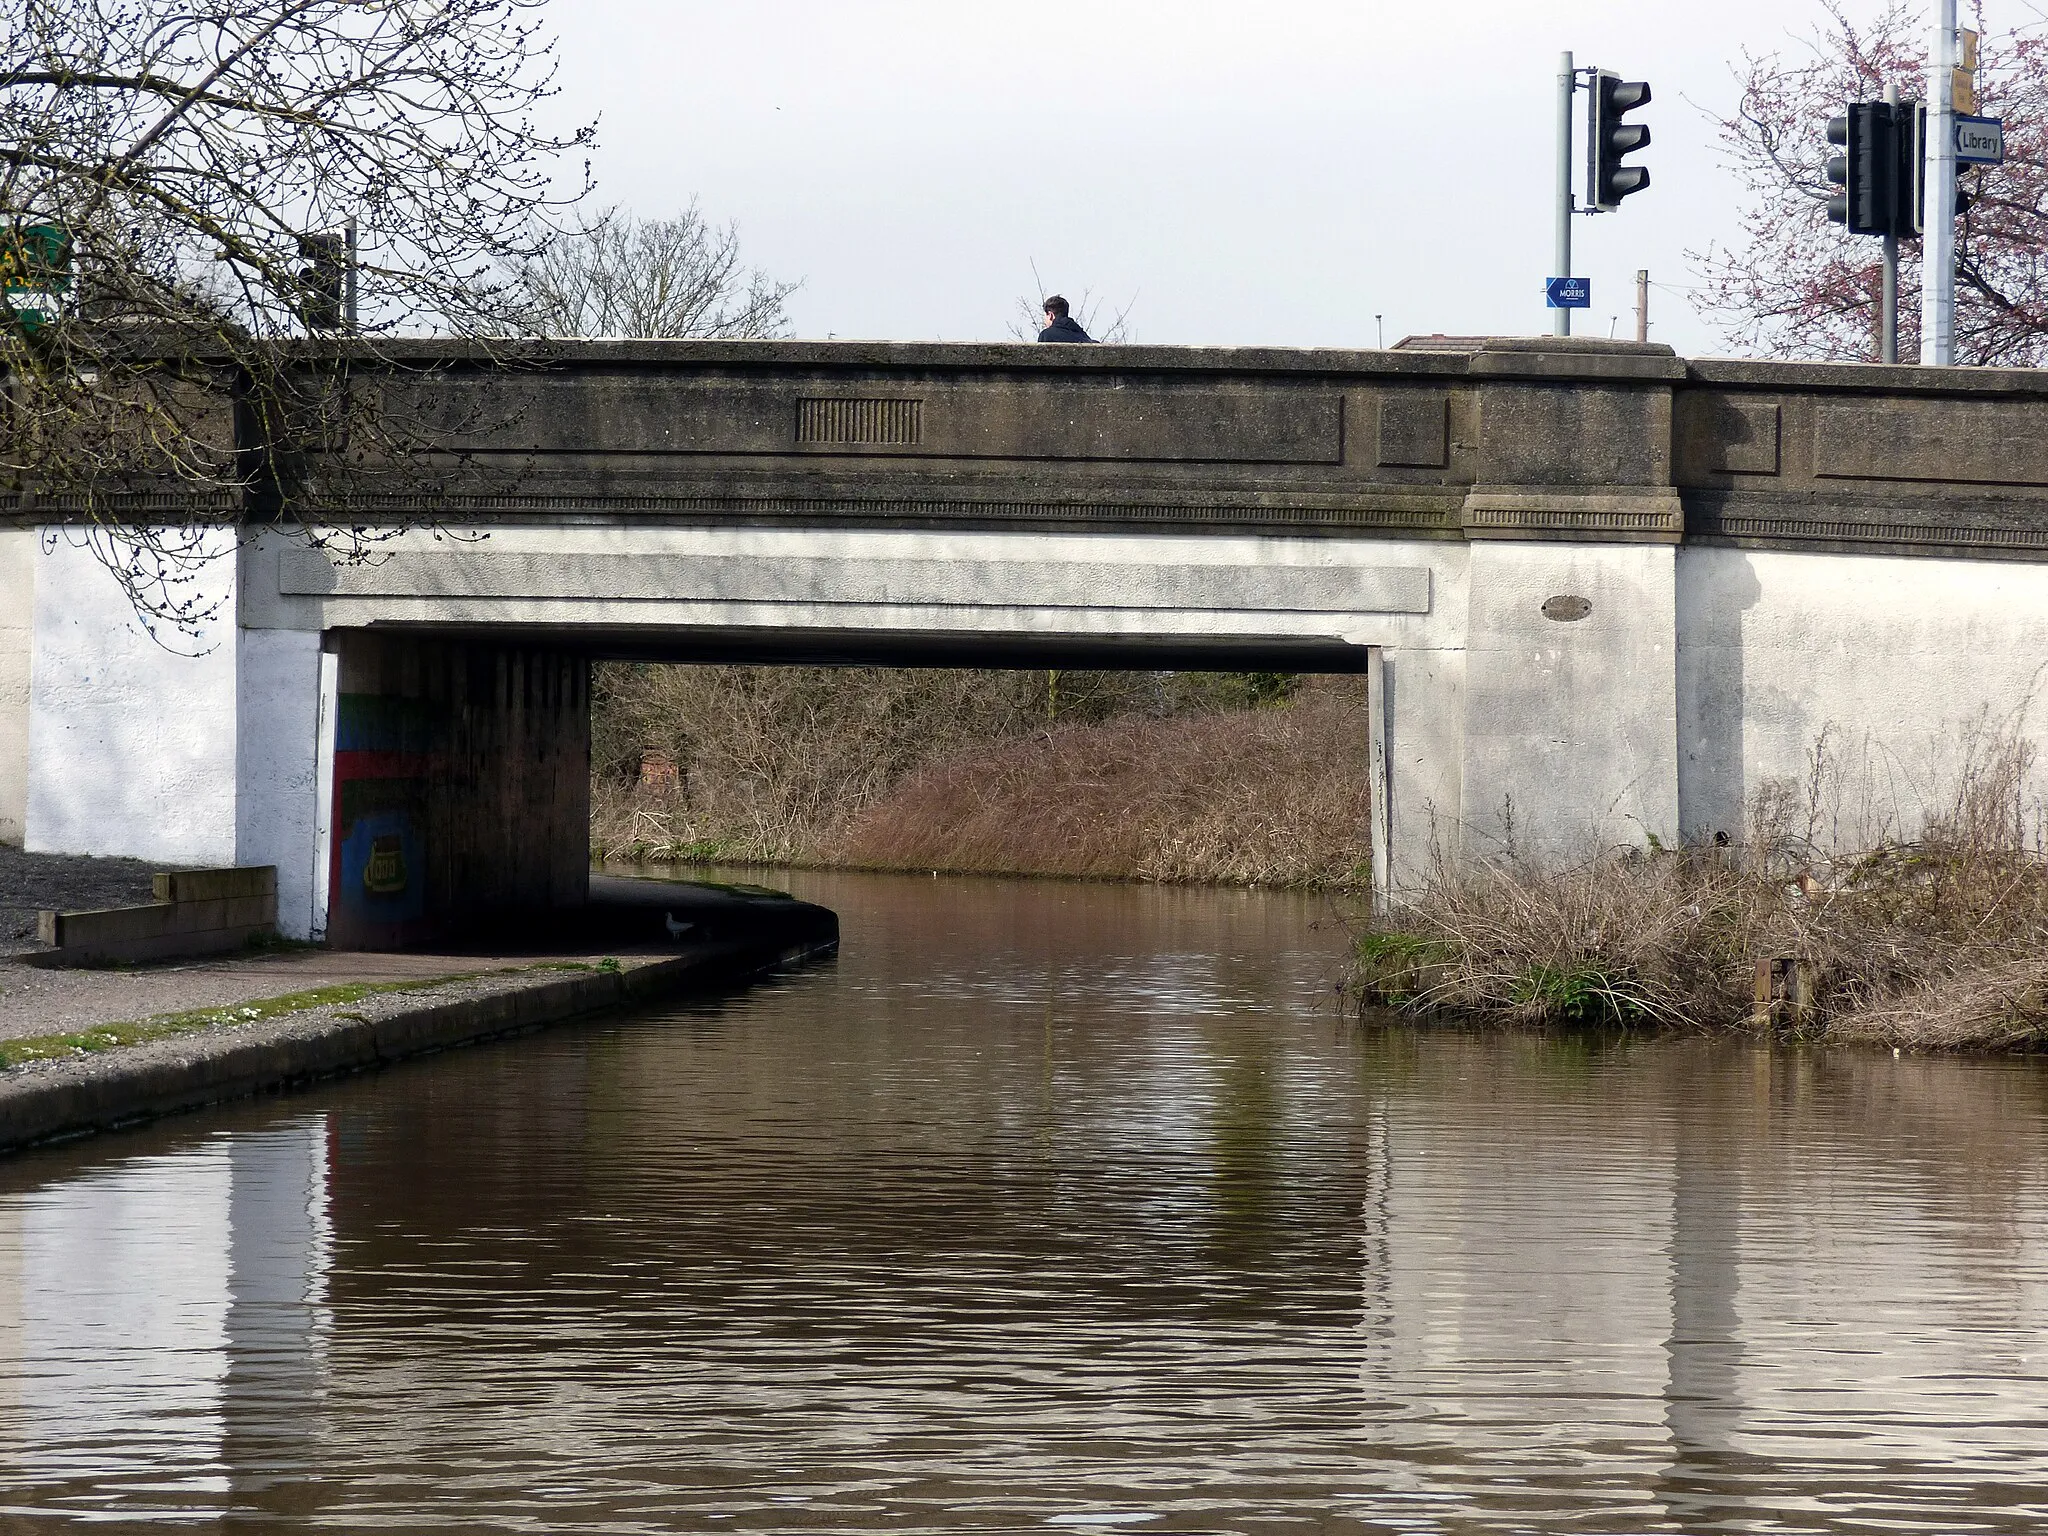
x=1147 y=775
x=1249 y=796
x=1940 y=940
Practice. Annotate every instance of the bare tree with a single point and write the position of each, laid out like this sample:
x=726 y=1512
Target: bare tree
x=1110 y=325
x=175 y=180
x=1795 y=285
x=618 y=275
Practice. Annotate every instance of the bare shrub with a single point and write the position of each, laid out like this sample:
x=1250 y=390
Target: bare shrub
x=1941 y=941
x=1253 y=796
x=774 y=761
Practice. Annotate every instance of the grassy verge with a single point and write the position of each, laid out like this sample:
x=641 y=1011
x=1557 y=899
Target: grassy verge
x=192 y=1021
x=1940 y=942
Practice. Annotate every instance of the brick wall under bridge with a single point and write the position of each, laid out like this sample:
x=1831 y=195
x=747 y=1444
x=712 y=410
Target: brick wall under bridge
x=1605 y=592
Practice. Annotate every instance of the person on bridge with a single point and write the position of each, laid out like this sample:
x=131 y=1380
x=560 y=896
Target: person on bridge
x=1059 y=325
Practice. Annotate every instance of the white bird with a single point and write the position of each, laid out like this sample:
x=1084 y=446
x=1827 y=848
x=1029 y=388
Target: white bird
x=675 y=929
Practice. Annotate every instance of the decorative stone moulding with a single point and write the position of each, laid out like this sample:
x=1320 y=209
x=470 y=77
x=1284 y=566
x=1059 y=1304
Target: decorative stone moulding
x=1646 y=514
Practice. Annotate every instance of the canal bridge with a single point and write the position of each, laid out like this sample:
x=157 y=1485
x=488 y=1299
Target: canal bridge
x=1603 y=594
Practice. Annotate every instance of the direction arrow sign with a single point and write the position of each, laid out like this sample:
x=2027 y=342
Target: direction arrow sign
x=1980 y=140
x=1568 y=292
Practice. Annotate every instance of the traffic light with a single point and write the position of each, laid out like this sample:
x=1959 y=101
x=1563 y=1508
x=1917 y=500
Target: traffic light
x=1865 y=170
x=1880 y=170
x=1608 y=181
x=323 y=280
x=1909 y=174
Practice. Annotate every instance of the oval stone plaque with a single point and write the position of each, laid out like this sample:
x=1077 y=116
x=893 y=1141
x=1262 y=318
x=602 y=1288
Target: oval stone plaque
x=1566 y=608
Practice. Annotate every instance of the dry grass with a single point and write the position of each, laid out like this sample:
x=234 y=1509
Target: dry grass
x=812 y=765
x=1266 y=796
x=1937 y=942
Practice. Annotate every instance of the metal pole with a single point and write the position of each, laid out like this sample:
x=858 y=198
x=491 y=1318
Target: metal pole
x=1561 y=319
x=1888 y=319
x=1642 y=304
x=348 y=281
x=1938 y=242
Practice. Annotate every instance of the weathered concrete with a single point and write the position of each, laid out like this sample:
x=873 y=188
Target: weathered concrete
x=196 y=912
x=1547 y=544
x=1875 y=679
x=1575 y=712
x=277 y=740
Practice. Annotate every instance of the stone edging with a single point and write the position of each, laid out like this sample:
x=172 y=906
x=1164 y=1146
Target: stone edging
x=82 y=1095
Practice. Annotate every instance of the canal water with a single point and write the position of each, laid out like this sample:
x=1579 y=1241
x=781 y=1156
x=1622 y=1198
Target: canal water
x=1047 y=1208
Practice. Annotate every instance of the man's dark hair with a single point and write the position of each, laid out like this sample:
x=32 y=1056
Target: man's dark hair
x=1056 y=306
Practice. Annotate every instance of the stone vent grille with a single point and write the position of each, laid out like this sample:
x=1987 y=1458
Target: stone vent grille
x=897 y=422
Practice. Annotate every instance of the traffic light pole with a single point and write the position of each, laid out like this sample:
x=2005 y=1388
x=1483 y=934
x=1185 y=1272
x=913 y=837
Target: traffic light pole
x=1938 y=239
x=1567 y=82
x=1888 y=332
x=348 y=279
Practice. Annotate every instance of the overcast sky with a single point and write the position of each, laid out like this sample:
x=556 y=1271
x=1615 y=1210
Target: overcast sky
x=1279 y=173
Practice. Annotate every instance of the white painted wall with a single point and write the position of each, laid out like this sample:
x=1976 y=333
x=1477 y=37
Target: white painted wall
x=135 y=751
x=1571 y=722
x=1904 y=665
x=1698 y=676
x=277 y=685
x=17 y=635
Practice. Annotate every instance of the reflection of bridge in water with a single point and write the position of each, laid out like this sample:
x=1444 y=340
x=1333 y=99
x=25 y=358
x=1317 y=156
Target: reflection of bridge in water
x=1508 y=1279
x=1614 y=590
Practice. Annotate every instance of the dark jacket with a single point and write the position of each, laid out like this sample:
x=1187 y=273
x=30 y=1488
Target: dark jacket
x=1066 y=328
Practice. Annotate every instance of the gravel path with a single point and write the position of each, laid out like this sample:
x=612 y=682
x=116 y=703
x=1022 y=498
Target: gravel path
x=36 y=1001
x=626 y=919
x=34 y=882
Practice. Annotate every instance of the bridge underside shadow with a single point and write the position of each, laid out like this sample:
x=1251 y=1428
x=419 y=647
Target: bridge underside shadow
x=910 y=648
x=456 y=776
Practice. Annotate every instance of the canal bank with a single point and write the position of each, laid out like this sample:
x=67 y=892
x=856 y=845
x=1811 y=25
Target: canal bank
x=86 y=1051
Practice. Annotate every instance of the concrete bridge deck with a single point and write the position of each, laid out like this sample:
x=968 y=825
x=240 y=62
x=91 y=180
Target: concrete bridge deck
x=1606 y=593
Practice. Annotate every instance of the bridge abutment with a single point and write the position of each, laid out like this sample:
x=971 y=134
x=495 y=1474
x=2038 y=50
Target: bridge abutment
x=461 y=786
x=1571 y=745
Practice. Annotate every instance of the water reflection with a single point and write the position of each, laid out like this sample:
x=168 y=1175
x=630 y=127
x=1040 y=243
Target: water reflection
x=1049 y=1207
x=162 y=1325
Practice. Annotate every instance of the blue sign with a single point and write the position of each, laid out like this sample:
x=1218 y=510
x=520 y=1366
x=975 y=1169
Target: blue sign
x=1568 y=292
x=1980 y=140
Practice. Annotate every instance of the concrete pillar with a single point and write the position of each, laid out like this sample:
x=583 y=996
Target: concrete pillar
x=1571 y=744
x=18 y=547
x=1424 y=720
x=277 y=701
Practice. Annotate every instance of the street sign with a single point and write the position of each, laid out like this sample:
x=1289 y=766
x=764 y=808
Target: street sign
x=1980 y=140
x=35 y=258
x=1568 y=292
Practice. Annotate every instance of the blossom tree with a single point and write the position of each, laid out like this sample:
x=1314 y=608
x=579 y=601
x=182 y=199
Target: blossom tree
x=1794 y=284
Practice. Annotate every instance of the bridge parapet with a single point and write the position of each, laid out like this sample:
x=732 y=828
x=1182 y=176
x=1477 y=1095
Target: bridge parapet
x=1546 y=438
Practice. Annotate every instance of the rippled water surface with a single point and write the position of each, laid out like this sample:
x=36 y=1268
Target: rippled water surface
x=1047 y=1207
